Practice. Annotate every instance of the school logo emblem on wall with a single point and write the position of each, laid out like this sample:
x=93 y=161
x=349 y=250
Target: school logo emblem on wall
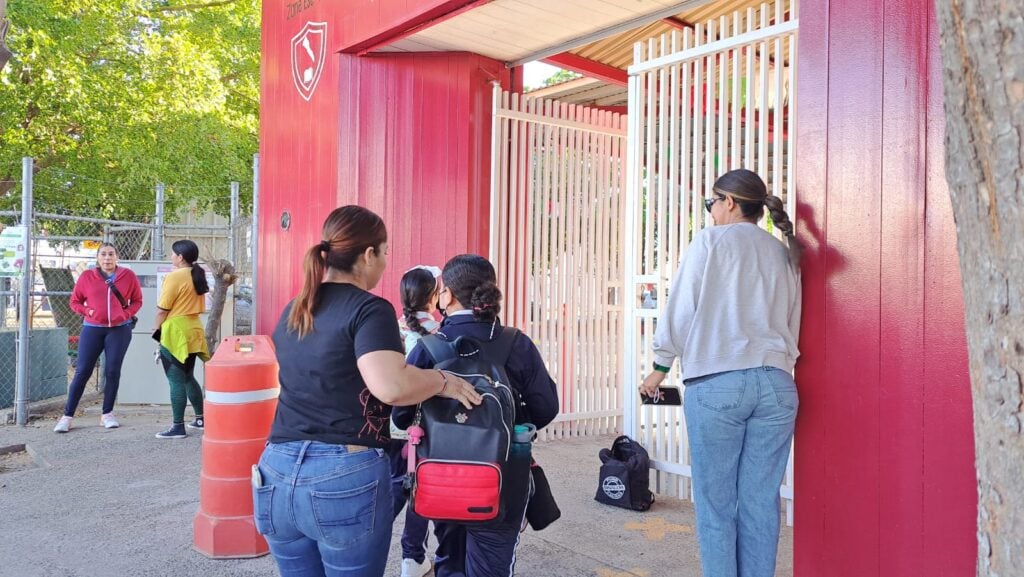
x=309 y=51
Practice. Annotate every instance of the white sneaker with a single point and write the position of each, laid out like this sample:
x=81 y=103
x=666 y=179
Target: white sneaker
x=109 y=421
x=63 y=425
x=410 y=568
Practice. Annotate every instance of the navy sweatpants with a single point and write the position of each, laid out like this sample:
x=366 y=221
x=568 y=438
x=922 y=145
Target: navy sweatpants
x=414 y=536
x=485 y=550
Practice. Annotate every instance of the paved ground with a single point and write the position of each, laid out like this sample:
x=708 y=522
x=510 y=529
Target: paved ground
x=121 y=502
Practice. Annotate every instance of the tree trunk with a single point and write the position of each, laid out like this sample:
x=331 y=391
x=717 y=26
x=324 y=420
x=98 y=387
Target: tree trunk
x=223 y=277
x=5 y=53
x=983 y=69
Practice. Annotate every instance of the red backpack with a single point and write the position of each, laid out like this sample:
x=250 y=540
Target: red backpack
x=461 y=457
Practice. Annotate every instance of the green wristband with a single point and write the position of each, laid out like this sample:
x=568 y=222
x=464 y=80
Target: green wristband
x=661 y=368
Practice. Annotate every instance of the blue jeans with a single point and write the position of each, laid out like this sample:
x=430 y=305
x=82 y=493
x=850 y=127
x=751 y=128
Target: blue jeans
x=325 y=512
x=740 y=425
x=94 y=340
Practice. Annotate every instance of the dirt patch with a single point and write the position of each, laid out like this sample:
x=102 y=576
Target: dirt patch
x=15 y=458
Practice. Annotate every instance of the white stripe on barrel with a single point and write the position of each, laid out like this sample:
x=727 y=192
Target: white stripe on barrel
x=240 y=398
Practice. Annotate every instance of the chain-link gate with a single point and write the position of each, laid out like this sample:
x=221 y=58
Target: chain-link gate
x=43 y=250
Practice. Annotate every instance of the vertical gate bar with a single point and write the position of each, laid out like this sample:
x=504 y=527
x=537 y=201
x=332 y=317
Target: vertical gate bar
x=501 y=142
x=778 y=141
x=748 y=141
x=688 y=106
x=661 y=219
x=722 y=101
x=254 y=239
x=634 y=124
x=536 y=210
x=791 y=109
x=697 y=167
x=572 y=317
x=560 y=303
x=522 y=169
x=618 y=208
x=496 y=173
x=513 y=210
x=673 y=228
x=587 y=238
x=710 y=153
x=736 y=105
x=762 y=105
x=602 y=261
x=547 y=216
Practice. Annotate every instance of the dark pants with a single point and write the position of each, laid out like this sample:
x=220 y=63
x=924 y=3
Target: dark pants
x=414 y=535
x=113 y=341
x=181 y=378
x=486 y=550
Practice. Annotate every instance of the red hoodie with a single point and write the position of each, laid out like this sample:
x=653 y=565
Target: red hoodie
x=94 y=300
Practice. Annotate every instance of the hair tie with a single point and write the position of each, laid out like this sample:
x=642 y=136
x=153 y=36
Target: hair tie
x=325 y=246
x=483 y=307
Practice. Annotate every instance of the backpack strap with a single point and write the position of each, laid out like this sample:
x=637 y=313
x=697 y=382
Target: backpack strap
x=439 y=349
x=500 y=349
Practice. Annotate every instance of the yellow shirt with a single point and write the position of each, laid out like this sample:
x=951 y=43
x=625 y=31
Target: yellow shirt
x=178 y=295
x=182 y=333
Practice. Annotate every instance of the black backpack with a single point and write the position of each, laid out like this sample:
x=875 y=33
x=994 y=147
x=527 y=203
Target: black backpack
x=625 y=475
x=463 y=460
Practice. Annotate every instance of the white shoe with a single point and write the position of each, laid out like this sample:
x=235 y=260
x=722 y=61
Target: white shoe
x=109 y=421
x=410 y=568
x=63 y=425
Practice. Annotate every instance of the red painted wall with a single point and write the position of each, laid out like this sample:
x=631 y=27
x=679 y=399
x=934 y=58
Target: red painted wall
x=414 y=146
x=406 y=135
x=884 y=454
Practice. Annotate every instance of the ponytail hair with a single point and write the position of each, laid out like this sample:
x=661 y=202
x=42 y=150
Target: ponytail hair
x=348 y=231
x=781 y=221
x=472 y=281
x=418 y=287
x=748 y=190
x=189 y=251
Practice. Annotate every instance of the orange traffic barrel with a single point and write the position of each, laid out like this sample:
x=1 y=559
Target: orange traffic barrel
x=241 y=398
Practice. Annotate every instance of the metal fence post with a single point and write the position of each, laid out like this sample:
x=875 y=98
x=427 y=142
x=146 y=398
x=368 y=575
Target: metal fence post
x=158 y=232
x=24 y=299
x=233 y=226
x=254 y=241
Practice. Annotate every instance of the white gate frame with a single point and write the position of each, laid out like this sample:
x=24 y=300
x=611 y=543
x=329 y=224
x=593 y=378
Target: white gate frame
x=674 y=156
x=557 y=190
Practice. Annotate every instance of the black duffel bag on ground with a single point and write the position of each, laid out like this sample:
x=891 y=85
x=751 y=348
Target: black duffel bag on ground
x=624 y=480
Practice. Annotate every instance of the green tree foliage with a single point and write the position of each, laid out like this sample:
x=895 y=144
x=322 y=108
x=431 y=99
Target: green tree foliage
x=113 y=96
x=561 y=76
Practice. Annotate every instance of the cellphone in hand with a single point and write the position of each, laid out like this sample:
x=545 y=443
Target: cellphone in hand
x=664 y=396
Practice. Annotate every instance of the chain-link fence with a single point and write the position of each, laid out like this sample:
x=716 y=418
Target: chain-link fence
x=44 y=248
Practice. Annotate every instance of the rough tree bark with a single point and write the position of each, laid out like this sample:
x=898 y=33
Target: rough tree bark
x=223 y=277
x=983 y=69
x=5 y=53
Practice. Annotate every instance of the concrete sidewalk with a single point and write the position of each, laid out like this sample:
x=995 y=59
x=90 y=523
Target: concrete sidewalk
x=120 y=503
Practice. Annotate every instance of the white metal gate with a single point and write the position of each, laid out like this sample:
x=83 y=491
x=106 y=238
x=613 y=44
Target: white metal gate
x=713 y=98
x=557 y=189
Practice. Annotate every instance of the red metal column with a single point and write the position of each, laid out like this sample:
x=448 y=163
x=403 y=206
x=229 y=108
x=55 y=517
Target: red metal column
x=884 y=464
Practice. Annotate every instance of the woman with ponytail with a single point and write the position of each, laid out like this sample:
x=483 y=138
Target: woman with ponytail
x=322 y=490
x=182 y=338
x=733 y=319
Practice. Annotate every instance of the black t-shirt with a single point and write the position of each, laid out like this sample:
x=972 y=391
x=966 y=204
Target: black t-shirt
x=323 y=395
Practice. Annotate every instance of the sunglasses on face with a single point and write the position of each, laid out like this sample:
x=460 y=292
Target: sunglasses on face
x=709 y=202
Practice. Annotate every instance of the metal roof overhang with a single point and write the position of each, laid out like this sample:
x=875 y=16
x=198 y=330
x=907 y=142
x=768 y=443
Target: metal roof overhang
x=592 y=37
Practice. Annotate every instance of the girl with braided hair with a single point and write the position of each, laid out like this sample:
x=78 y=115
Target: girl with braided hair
x=733 y=319
x=418 y=291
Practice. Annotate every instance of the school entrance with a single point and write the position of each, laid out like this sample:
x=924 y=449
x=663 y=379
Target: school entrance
x=592 y=210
